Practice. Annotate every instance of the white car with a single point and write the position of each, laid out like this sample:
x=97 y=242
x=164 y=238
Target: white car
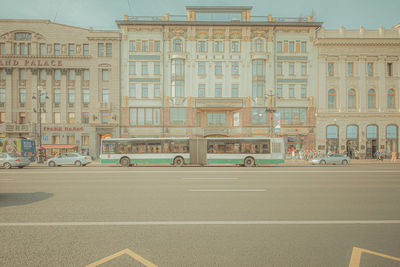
x=69 y=159
x=335 y=159
x=8 y=160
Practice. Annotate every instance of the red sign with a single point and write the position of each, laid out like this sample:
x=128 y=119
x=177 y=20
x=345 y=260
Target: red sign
x=30 y=63
x=63 y=129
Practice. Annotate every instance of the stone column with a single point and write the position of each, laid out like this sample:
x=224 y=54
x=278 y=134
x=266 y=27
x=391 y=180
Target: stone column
x=63 y=96
x=9 y=95
x=78 y=96
x=363 y=83
x=49 y=93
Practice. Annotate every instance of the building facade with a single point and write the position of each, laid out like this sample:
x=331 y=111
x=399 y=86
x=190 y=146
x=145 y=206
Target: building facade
x=59 y=84
x=214 y=72
x=358 y=91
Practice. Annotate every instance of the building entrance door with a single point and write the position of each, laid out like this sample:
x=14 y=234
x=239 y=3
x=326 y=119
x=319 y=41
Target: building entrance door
x=352 y=148
x=391 y=145
x=371 y=148
x=332 y=146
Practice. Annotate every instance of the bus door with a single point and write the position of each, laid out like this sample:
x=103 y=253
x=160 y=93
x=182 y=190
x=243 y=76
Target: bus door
x=198 y=151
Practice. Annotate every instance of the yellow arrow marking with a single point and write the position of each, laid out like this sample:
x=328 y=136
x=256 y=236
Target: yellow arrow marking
x=356 y=256
x=122 y=252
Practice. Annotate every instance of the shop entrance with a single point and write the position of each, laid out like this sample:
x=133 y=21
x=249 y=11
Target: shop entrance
x=371 y=148
x=352 y=148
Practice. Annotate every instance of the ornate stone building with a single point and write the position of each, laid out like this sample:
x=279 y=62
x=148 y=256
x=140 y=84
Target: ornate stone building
x=358 y=90
x=59 y=82
x=214 y=72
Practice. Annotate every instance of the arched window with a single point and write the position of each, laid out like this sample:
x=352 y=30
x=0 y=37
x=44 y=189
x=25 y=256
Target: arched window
x=351 y=98
x=391 y=132
x=332 y=132
x=178 y=45
x=258 y=45
x=372 y=132
x=332 y=98
x=390 y=99
x=371 y=98
x=352 y=132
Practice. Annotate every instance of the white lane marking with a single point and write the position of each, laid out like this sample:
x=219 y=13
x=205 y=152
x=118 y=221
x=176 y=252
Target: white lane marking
x=226 y=190
x=318 y=222
x=6 y=180
x=210 y=178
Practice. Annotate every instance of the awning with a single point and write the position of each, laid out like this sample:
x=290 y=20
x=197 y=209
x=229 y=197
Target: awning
x=59 y=146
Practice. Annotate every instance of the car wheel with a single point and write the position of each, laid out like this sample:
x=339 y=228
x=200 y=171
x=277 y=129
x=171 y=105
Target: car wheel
x=178 y=162
x=7 y=165
x=344 y=162
x=52 y=164
x=78 y=163
x=249 y=162
x=125 y=162
x=322 y=162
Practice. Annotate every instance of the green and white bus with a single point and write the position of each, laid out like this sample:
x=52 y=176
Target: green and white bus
x=199 y=151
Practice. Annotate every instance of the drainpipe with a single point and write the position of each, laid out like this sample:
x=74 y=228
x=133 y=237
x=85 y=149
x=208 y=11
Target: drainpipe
x=163 y=81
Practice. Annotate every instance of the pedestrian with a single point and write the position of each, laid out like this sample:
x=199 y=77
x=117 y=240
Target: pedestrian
x=377 y=155
x=394 y=156
x=382 y=155
x=293 y=154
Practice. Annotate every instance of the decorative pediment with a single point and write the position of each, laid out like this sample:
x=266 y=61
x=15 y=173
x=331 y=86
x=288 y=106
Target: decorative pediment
x=29 y=36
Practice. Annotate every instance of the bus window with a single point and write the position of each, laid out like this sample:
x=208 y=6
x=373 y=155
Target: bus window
x=179 y=147
x=266 y=148
x=154 y=148
x=220 y=147
x=245 y=148
x=210 y=149
x=232 y=148
x=109 y=148
x=166 y=148
x=140 y=148
x=253 y=149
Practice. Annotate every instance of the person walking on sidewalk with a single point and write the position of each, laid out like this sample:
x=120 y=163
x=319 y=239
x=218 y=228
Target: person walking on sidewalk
x=394 y=156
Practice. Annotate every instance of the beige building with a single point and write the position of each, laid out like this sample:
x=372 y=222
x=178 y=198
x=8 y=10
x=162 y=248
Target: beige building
x=59 y=82
x=214 y=71
x=358 y=84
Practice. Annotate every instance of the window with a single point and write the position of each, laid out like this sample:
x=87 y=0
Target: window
x=303 y=47
x=86 y=75
x=390 y=69
x=218 y=46
x=218 y=90
x=390 y=99
x=85 y=50
x=178 y=67
x=71 y=75
x=71 y=117
x=22 y=49
x=132 y=67
x=178 y=116
x=279 y=47
x=71 y=96
x=332 y=98
x=101 y=50
x=57 y=75
x=85 y=96
x=235 y=90
x=178 y=88
x=133 y=116
x=177 y=45
x=2 y=48
x=303 y=91
x=258 y=68
x=104 y=117
x=22 y=118
x=201 y=46
x=304 y=69
x=352 y=132
x=156 y=46
x=331 y=69
x=215 y=119
x=391 y=132
x=57 y=49
x=56 y=139
x=2 y=74
x=235 y=68
x=71 y=139
x=279 y=68
x=370 y=69
x=202 y=90
x=132 y=46
x=157 y=67
x=258 y=89
x=145 y=46
x=279 y=90
x=2 y=95
x=132 y=90
x=291 y=90
x=350 y=69
x=371 y=98
x=43 y=75
x=293 y=116
x=105 y=75
x=291 y=47
x=22 y=95
x=351 y=98
x=57 y=94
x=22 y=74
x=57 y=117
x=218 y=68
x=145 y=90
x=145 y=67
x=235 y=46
x=291 y=68
x=201 y=68
x=258 y=45
x=372 y=132
x=105 y=93
x=157 y=90
x=42 y=49
x=43 y=95
x=85 y=140
x=108 y=50
x=71 y=50
x=258 y=116
x=332 y=132
x=2 y=117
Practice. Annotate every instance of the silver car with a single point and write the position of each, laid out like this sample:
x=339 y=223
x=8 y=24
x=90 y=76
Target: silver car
x=332 y=159
x=8 y=160
x=69 y=159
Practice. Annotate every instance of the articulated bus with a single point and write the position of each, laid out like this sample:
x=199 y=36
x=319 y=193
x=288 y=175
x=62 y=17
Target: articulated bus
x=183 y=151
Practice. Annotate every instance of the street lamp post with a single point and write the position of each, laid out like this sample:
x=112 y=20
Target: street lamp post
x=271 y=110
x=39 y=110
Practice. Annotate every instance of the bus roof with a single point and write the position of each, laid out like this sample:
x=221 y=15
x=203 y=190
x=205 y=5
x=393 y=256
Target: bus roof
x=187 y=138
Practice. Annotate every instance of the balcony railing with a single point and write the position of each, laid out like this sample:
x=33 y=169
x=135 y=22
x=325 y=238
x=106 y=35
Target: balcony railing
x=18 y=128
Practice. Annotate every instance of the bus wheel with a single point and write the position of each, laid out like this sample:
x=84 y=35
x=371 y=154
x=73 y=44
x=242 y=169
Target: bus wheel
x=178 y=161
x=125 y=162
x=249 y=162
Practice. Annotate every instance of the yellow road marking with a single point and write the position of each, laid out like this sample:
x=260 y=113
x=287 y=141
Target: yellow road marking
x=356 y=256
x=122 y=252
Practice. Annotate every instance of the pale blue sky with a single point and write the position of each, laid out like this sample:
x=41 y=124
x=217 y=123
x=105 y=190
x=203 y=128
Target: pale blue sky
x=101 y=14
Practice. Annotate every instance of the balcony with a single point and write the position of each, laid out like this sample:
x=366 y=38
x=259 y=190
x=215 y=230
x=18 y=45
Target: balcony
x=18 y=128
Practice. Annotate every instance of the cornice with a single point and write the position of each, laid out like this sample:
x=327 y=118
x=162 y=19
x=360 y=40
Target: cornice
x=357 y=42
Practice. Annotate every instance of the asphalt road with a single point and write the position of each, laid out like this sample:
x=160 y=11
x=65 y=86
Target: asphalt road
x=192 y=216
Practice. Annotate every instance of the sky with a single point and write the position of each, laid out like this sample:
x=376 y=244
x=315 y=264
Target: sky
x=102 y=14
